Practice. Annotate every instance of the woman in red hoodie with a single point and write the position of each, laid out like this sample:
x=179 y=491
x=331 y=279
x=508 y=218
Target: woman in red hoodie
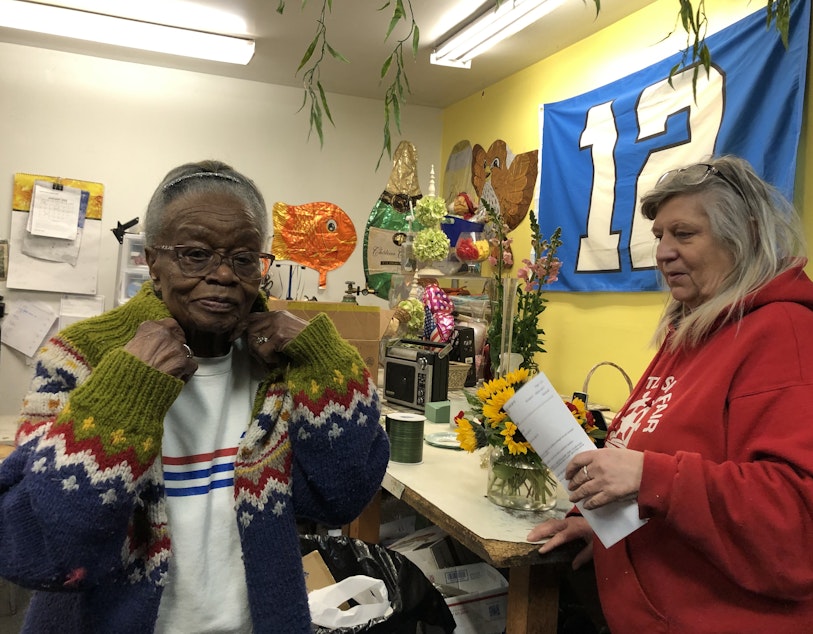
x=714 y=442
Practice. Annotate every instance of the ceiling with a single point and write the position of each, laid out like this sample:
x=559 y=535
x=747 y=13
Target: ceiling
x=356 y=28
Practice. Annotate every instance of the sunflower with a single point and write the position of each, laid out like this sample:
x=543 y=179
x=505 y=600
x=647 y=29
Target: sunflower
x=466 y=436
x=512 y=439
x=493 y=406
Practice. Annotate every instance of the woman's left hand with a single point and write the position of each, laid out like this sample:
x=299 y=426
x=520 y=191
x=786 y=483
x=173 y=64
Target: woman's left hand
x=605 y=475
x=268 y=333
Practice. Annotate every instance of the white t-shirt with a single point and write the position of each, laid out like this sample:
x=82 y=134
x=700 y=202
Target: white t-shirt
x=206 y=583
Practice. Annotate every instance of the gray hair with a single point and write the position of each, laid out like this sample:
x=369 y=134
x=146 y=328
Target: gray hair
x=751 y=219
x=203 y=177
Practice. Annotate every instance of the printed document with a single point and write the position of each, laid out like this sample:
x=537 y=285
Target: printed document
x=547 y=423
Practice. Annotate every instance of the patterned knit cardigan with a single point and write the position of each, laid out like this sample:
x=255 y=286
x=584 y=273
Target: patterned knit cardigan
x=82 y=502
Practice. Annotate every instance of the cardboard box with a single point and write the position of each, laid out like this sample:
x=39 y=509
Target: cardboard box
x=362 y=326
x=430 y=549
x=477 y=596
x=317 y=574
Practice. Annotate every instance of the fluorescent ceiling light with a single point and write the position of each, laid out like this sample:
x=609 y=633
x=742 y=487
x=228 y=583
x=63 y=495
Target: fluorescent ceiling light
x=489 y=28
x=105 y=29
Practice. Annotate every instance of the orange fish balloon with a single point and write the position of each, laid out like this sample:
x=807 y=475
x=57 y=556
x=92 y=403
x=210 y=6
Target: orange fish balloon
x=319 y=235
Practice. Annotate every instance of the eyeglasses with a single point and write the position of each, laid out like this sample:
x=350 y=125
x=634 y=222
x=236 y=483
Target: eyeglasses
x=704 y=170
x=249 y=266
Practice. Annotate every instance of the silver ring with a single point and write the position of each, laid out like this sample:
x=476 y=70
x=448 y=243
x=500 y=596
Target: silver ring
x=189 y=353
x=261 y=340
x=584 y=470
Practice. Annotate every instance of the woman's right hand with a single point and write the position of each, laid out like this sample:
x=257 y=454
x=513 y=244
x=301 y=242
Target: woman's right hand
x=562 y=531
x=162 y=345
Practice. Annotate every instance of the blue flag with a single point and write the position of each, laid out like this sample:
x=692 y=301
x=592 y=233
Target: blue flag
x=602 y=150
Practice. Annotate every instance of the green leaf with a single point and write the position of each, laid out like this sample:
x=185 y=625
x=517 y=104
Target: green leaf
x=396 y=113
x=386 y=67
x=336 y=54
x=316 y=121
x=415 y=40
x=393 y=23
x=308 y=53
x=324 y=101
x=281 y=7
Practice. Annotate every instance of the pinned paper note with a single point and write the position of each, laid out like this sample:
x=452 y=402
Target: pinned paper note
x=54 y=211
x=62 y=269
x=546 y=422
x=26 y=326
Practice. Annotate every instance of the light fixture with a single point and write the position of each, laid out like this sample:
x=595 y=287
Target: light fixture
x=106 y=29
x=488 y=28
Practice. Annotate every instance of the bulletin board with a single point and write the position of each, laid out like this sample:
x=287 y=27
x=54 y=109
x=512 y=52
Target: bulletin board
x=36 y=274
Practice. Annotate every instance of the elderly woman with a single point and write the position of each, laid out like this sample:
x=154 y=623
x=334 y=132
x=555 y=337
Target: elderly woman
x=167 y=447
x=714 y=441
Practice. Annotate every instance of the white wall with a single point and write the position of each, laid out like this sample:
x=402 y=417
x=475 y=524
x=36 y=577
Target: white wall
x=125 y=125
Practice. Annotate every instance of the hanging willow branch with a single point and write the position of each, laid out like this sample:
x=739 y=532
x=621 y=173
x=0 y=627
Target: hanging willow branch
x=396 y=91
x=694 y=21
x=691 y=17
x=314 y=97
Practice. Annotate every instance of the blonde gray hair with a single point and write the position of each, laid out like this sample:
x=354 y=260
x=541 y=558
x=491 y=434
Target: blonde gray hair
x=751 y=220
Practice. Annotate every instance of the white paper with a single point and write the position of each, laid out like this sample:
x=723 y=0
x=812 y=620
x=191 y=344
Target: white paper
x=73 y=308
x=26 y=326
x=57 y=249
x=34 y=274
x=544 y=419
x=54 y=212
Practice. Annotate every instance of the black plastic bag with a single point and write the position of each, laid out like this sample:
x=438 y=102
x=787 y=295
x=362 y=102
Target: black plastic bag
x=412 y=596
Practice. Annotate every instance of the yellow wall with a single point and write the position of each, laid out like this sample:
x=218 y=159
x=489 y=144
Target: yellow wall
x=586 y=328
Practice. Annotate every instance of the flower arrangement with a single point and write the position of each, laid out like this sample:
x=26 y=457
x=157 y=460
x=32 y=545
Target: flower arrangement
x=536 y=273
x=430 y=210
x=531 y=302
x=430 y=243
x=517 y=470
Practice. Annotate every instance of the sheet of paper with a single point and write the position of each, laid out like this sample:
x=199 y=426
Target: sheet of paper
x=73 y=308
x=26 y=326
x=34 y=274
x=54 y=212
x=544 y=419
x=57 y=249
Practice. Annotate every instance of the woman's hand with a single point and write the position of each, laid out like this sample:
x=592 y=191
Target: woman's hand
x=603 y=476
x=563 y=531
x=162 y=345
x=268 y=333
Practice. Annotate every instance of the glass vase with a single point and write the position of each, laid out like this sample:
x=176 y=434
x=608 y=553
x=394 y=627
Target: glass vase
x=518 y=482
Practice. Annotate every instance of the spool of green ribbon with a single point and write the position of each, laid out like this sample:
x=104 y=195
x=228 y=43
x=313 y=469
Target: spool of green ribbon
x=405 y=431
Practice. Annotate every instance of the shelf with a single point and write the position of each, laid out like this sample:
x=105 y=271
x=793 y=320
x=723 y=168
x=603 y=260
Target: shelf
x=133 y=270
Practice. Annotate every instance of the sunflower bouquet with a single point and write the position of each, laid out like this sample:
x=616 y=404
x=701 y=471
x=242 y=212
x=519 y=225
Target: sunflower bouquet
x=518 y=478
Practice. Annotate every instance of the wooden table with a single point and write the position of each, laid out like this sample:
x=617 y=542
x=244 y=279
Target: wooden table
x=448 y=488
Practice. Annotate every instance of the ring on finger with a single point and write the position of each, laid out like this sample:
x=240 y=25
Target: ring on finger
x=584 y=471
x=189 y=353
x=261 y=340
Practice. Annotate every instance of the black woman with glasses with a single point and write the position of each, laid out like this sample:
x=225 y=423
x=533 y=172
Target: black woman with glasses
x=714 y=443
x=167 y=447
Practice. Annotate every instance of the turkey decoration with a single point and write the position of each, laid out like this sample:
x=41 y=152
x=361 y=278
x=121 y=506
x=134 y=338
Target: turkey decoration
x=505 y=181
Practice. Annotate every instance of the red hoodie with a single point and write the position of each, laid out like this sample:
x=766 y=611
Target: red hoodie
x=727 y=482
